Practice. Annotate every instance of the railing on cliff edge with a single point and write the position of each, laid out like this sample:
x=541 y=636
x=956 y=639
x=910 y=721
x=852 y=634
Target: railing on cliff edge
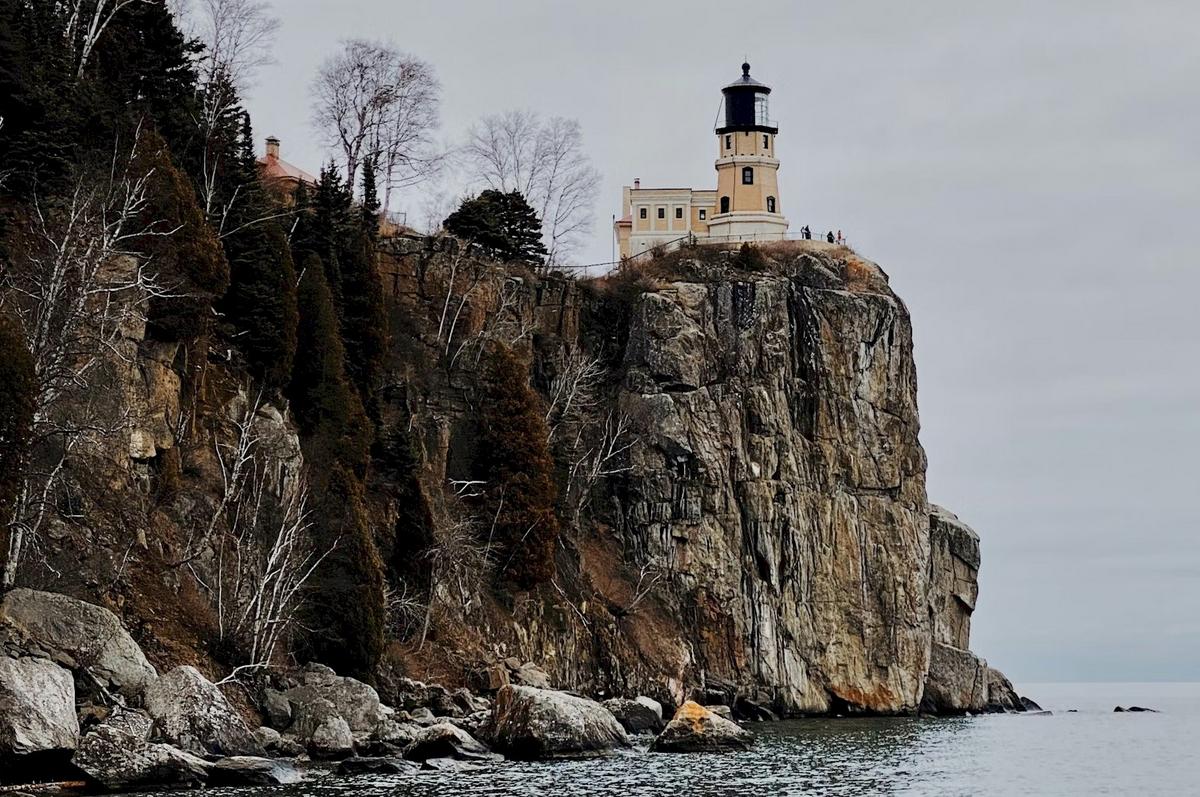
x=694 y=240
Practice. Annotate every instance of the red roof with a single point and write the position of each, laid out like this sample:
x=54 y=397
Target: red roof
x=274 y=166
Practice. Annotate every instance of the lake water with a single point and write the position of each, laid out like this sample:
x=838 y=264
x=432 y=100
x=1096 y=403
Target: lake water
x=1091 y=752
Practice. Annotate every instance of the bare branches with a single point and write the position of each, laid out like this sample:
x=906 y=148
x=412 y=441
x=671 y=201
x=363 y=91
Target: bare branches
x=85 y=22
x=592 y=461
x=237 y=37
x=546 y=162
x=373 y=102
x=573 y=388
x=79 y=292
x=259 y=539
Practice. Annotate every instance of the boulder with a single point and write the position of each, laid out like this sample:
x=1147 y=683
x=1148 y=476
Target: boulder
x=651 y=704
x=269 y=738
x=531 y=675
x=331 y=739
x=375 y=766
x=635 y=716
x=252 y=771
x=957 y=681
x=695 y=729
x=1001 y=696
x=447 y=741
x=277 y=709
x=190 y=712
x=80 y=636
x=724 y=712
x=322 y=730
x=540 y=723
x=1029 y=705
x=118 y=756
x=746 y=709
x=37 y=708
x=356 y=702
x=397 y=733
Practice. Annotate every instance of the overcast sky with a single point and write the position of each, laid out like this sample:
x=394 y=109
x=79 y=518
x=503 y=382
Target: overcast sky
x=1026 y=173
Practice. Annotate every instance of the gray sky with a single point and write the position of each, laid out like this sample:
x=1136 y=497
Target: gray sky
x=1028 y=175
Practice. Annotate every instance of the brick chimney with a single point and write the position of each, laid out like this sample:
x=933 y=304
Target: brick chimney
x=272 y=147
x=637 y=181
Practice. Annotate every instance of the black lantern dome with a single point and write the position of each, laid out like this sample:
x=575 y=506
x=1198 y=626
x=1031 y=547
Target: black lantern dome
x=746 y=105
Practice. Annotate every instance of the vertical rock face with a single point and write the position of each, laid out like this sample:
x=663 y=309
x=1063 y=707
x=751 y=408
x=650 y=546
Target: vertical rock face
x=953 y=577
x=780 y=487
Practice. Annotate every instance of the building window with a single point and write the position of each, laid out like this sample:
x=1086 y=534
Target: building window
x=770 y=204
x=724 y=204
x=662 y=213
x=766 y=141
x=728 y=141
x=679 y=213
x=641 y=213
x=747 y=175
x=703 y=214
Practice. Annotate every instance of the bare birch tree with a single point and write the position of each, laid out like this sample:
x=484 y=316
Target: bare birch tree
x=84 y=24
x=237 y=36
x=78 y=288
x=544 y=159
x=258 y=535
x=372 y=101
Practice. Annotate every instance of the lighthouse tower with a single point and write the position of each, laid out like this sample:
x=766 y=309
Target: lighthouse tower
x=748 y=203
x=745 y=205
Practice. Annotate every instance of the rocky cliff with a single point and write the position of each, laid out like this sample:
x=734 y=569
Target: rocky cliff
x=741 y=488
x=766 y=536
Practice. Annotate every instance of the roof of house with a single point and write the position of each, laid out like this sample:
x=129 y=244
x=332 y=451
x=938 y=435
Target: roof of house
x=274 y=166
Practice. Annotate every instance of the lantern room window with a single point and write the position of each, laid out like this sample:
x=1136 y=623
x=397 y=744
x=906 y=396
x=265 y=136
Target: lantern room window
x=761 y=117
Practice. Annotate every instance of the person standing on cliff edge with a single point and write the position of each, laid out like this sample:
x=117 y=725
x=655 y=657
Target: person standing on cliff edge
x=829 y=236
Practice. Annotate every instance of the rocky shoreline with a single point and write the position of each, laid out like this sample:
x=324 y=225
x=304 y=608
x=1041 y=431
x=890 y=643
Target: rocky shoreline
x=81 y=704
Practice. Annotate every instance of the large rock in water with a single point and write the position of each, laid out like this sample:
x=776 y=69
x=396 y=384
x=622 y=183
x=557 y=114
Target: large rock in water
x=190 y=712
x=322 y=730
x=118 y=755
x=37 y=708
x=1001 y=696
x=79 y=636
x=695 y=729
x=635 y=716
x=534 y=723
x=444 y=740
x=957 y=682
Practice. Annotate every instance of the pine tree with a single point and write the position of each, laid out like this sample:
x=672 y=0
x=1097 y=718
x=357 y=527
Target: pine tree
x=364 y=316
x=261 y=302
x=346 y=613
x=190 y=263
x=519 y=471
x=502 y=224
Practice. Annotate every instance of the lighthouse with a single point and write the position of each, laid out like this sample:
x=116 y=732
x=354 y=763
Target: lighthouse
x=748 y=206
x=745 y=206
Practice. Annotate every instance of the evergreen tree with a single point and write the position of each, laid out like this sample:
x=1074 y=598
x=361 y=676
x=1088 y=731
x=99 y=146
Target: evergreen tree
x=261 y=302
x=346 y=613
x=369 y=209
x=364 y=317
x=502 y=224
x=190 y=263
x=519 y=472
x=327 y=409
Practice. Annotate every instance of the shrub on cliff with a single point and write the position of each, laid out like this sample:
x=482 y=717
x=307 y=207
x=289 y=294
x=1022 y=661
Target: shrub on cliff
x=749 y=258
x=519 y=471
